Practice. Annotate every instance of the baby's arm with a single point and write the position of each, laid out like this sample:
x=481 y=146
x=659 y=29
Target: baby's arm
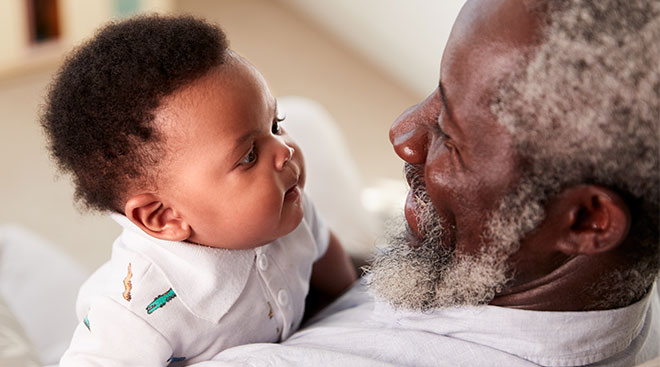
x=333 y=273
x=111 y=335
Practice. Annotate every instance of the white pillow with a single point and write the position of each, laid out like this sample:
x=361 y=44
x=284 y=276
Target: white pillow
x=39 y=284
x=15 y=348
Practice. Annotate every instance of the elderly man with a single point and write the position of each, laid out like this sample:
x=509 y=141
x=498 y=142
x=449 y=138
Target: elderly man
x=532 y=219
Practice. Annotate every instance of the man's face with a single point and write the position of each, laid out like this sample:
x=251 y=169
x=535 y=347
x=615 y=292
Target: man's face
x=231 y=172
x=460 y=157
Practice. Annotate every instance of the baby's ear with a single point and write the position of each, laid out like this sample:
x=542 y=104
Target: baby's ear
x=156 y=219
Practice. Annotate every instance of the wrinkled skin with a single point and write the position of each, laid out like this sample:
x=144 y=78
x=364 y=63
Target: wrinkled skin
x=468 y=165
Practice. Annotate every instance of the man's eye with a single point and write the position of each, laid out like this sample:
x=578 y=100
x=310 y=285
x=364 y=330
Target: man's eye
x=250 y=157
x=438 y=126
x=441 y=132
x=275 y=128
x=444 y=139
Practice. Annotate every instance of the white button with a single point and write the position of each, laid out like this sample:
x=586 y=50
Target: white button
x=283 y=297
x=262 y=262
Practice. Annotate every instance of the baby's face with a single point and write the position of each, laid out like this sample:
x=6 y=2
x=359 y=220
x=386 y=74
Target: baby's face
x=231 y=172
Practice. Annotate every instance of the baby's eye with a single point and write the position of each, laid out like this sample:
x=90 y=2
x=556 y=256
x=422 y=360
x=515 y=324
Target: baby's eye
x=249 y=158
x=275 y=128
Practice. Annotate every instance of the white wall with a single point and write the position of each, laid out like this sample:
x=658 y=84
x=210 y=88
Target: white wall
x=404 y=38
x=79 y=19
x=12 y=19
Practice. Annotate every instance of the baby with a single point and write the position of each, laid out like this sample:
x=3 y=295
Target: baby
x=179 y=138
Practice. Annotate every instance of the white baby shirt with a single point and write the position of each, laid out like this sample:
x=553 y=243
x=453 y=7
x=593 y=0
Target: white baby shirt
x=160 y=302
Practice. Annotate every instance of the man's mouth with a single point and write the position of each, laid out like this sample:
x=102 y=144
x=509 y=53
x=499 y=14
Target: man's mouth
x=412 y=205
x=411 y=211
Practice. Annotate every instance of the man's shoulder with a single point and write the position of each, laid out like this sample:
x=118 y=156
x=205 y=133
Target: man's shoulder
x=358 y=330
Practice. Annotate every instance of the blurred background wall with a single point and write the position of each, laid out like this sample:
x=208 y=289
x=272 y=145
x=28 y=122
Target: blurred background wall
x=364 y=60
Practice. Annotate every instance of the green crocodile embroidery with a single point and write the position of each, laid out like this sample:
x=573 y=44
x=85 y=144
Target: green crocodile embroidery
x=86 y=322
x=160 y=301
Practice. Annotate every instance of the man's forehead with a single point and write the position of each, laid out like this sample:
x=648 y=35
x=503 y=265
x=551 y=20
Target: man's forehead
x=487 y=41
x=485 y=27
x=503 y=21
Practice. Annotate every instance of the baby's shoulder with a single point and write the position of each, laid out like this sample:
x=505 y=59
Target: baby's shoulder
x=130 y=298
x=131 y=280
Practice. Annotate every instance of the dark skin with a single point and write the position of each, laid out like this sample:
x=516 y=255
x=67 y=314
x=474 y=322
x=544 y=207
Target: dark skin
x=469 y=163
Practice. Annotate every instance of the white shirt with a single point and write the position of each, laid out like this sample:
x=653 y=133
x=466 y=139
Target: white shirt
x=184 y=302
x=358 y=331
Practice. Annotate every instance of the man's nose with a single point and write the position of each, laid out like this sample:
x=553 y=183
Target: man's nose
x=409 y=138
x=283 y=153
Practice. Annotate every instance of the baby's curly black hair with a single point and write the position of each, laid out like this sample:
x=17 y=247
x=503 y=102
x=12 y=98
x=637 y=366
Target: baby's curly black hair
x=100 y=107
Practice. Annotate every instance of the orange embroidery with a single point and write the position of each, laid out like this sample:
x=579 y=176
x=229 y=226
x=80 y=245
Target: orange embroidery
x=127 y=284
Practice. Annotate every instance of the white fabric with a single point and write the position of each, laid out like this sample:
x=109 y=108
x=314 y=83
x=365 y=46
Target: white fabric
x=15 y=348
x=357 y=331
x=189 y=301
x=38 y=282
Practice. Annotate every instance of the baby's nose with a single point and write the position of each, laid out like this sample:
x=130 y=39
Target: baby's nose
x=284 y=154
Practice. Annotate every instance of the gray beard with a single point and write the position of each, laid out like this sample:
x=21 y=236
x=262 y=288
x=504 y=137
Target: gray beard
x=433 y=275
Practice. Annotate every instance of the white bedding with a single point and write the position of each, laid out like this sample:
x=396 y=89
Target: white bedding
x=38 y=283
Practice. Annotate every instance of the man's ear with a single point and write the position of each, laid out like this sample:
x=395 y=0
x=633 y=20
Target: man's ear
x=591 y=219
x=156 y=219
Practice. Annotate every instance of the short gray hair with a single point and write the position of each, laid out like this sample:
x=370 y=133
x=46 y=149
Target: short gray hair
x=585 y=108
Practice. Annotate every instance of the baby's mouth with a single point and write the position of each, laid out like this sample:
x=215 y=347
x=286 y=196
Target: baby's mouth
x=292 y=193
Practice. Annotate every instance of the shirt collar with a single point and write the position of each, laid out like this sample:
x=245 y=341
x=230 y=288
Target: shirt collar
x=207 y=280
x=543 y=337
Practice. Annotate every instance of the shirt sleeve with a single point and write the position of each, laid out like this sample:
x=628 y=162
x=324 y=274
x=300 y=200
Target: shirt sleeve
x=317 y=226
x=111 y=335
